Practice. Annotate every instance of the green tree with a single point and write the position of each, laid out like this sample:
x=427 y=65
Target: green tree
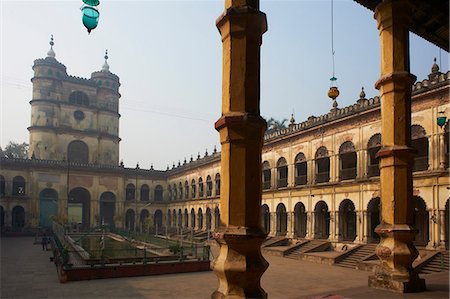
x=15 y=150
x=275 y=125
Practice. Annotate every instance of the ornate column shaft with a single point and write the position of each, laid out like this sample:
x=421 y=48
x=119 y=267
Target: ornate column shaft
x=365 y=231
x=336 y=225
x=396 y=249
x=441 y=148
x=273 y=224
x=442 y=231
x=359 y=228
x=240 y=265
x=290 y=225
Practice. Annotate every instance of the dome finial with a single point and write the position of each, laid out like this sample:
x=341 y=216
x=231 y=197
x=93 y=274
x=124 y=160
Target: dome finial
x=105 y=67
x=362 y=94
x=50 y=52
x=435 y=67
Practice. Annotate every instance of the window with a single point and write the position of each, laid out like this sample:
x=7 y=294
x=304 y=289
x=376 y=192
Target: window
x=347 y=159
x=180 y=187
x=322 y=165
x=186 y=190
x=266 y=175
x=145 y=193
x=193 y=189
x=158 y=193
x=301 y=170
x=200 y=187
x=282 y=173
x=373 y=146
x=208 y=186
x=217 y=179
x=2 y=186
x=18 y=186
x=78 y=152
x=79 y=98
x=170 y=192
x=130 y=192
x=419 y=142
x=174 y=194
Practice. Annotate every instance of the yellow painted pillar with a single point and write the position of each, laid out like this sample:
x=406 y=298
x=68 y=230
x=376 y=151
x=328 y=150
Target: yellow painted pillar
x=240 y=265
x=396 y=250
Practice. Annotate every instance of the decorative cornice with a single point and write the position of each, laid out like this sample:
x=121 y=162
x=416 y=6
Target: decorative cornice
x=90 y=107
x=61 y=130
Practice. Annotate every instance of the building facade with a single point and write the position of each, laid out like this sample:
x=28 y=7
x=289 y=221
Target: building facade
x=320 y=177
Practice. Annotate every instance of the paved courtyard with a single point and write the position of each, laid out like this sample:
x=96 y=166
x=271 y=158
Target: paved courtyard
x=26 y=272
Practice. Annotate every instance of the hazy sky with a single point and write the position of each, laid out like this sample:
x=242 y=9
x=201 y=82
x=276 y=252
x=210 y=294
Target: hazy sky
x=168 y=57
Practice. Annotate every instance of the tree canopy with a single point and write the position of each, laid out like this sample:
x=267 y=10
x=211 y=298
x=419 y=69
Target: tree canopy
x=275 y=125
x=15 y=150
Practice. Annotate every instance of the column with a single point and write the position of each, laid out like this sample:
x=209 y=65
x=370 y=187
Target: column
x=273 y=224
x=336 y=226
x=441 y=150
x=431 y=230
x=290 y=225
x=240 y=265
x=312 y=230
x=359 y=227
x=442 y=231
x=396 y=249
x=365 y=227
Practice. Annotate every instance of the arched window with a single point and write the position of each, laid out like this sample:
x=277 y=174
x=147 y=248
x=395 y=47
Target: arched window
x=170 y=192
x=186 y=218
x=373 y=146
x=321 y=221
x=217 y=217
x=79 y=207
x=193 y=189
x=300 y=220
x=78 y=152
x=174 y=192
x=129 y=219
x=200 y=218
x=18 y=186
x=266 y=175
x=421 y=222
x=217 y=179
x=281 y=220
x=419 y=142
x=373 y=219
x=2 y=186
x=208 y=186
x=282 y=173
x=186 y=190
x=192 y=218
x=79 y=98
x=180 y=188
x=18 y=217
x=265 y=218
x=347 y=159
x=208 y=218
x=322 y=165
x=144 y=223
x=48 y=206
x=145 y=193
x=200 y=187
x=347 y=220
x=107 y=208
x=301 y=170
x=158 y=220
x=130 y=192
x=159 y=193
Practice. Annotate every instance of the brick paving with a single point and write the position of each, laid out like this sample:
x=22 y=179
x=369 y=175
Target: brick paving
x=26 y=272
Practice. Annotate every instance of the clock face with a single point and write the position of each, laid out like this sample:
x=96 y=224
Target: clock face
x=79 y=115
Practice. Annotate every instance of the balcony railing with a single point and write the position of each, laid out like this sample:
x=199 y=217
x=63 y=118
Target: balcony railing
x=266 y=185
x=323 y=177
x=281 y=183
x=300 y=180
x=348 y=173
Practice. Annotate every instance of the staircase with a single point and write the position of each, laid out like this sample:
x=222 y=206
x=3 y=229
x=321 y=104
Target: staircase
x=357 y=255
x=307 y=247
x=438 y=263
x=274 y=241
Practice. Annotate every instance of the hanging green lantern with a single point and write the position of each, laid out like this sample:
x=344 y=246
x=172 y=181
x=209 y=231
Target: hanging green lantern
x=441 y=119
x=91 y=2
x=90 y=16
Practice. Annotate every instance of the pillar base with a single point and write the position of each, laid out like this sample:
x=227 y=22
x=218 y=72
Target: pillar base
x=240 y=264
x=387 y=282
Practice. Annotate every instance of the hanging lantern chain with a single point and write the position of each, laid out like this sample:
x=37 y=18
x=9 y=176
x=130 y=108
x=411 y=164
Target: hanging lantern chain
x=333 y=78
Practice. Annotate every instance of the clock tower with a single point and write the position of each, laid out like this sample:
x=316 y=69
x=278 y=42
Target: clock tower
x=73 y=118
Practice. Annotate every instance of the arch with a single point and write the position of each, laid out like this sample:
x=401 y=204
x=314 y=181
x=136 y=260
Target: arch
x=200 y=187
x=174 y=192
x=79 y=207
x=18 y=188
x=169 y=189
x=301 y=170
x=265 y=217
x=266 y=175
x=180 y=218
x=208 y=218
x=158 y=220
x=107 y=208
x=130 y=192
x=421 y=222
x=419 y=142
x=282 y=173
x=144 y=224
x=281 y=220
x=186 y=190
x=79 y=98
x=18 y=217
x=347 y=161
x=2 y=186
x=186 y=218
x=217 y=187
x=169 y=218
x=373 y=219
x=48 y=205
x=193 y=189
x=373 y=162
x=180 y=189
x=217 y=217
x=130 y=219
x=78 y=152
x=300 y=220
x=200 y=218
x=145 y=193
x=321 y=221
x=2 y=216
x=208 y=186
x=347 y=220
x=158 y=193
x=192 y=218
x=322 y=162
x=174 y=218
